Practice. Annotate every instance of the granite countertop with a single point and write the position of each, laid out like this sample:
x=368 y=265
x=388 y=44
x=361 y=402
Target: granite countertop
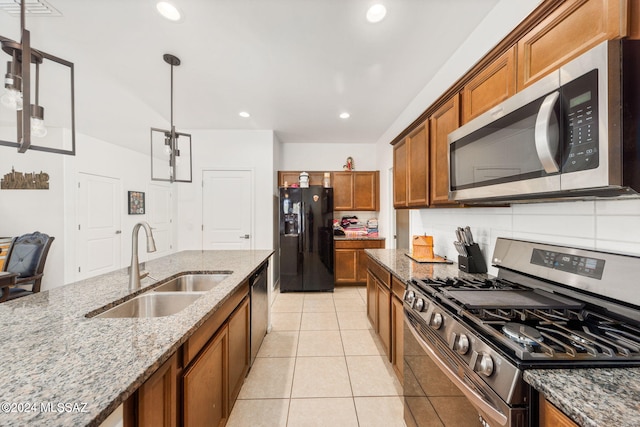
x=599 y=397
x=397 y=261
x=53 y=355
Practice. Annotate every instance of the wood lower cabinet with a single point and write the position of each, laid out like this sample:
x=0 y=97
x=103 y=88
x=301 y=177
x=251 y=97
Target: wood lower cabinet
x=356 y=191
x=154 y=404
x=239 y=355
x=200 y=383
x=550 y=416
x=205 y=385
x=444 y=121
x=350 y=260
x=384 y=316
x=397 y=327
x=490 y=86
x=569 y=31
x=372 y=300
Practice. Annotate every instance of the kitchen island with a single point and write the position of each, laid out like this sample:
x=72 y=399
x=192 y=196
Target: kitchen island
x=62 y=368
x=590 y=397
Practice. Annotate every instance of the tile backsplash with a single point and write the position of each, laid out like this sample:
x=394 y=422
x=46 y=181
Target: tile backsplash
x=607 y=225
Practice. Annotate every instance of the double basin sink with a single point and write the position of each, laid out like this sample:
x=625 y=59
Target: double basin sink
x=167 y=299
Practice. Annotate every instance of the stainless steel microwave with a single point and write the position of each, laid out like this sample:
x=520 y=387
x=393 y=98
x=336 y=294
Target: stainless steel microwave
x=574 y=133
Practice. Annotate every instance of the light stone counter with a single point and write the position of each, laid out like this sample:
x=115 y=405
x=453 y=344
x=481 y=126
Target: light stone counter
x=52 y=354
x=591 y=397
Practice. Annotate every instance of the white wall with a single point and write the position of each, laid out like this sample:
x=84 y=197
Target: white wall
x=228 y=149
x=327 y=156
x=53 y=211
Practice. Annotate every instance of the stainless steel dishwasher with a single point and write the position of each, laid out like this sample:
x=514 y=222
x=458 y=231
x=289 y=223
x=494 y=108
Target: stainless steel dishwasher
x=259 y=309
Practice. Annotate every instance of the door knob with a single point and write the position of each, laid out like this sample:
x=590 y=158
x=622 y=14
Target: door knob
x=246 y=236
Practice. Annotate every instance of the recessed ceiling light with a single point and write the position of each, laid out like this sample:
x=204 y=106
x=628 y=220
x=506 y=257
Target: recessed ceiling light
x=345 y=115
x=244 y=114
x=376 y=13
x=168 y=10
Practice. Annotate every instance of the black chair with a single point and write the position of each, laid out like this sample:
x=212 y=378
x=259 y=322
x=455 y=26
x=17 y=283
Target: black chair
x=26 y=257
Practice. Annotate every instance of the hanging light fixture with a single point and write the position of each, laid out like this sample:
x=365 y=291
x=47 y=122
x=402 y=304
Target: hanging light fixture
x=168 y=147
x=17 y=92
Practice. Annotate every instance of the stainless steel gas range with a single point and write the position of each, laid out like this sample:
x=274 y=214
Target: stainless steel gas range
x=468 y=340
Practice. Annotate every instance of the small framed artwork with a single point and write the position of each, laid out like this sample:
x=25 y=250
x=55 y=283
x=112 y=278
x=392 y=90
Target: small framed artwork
x=136 y=202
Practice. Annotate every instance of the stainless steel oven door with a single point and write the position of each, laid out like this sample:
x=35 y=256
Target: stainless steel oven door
x=440 y=390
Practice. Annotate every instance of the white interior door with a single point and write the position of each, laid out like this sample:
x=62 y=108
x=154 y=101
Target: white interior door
x=159 y=209
x=99 y=230
x=227 y=209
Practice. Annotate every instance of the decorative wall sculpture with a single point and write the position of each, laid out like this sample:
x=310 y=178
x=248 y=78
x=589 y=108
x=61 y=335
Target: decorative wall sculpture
x=25 y=181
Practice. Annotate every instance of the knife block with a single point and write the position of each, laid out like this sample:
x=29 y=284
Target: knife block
x=474 y=261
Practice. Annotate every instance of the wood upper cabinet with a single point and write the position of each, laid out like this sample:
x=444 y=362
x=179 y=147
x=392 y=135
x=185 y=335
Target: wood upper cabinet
x=239 y=357
x=205 y=385
x=400 y=174
x=356 y=191
x=293 y=177
x=156 y=398
x=572 y=29
x=418 y=167
x=411 y=169
x=490 y=86
x=444 y=121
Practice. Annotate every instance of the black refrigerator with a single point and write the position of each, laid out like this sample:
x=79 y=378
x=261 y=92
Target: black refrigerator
x=306 y=239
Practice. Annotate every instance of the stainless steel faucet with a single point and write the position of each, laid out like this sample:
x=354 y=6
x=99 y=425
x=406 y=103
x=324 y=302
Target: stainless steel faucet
x=134 y=273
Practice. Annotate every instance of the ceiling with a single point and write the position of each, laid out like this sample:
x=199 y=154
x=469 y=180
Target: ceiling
x=294 y=65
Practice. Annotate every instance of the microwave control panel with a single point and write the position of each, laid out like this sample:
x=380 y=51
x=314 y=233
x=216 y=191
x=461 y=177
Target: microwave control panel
x=581 y=110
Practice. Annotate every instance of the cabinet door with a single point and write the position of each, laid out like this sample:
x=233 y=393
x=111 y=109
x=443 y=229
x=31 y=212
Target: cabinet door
x=418 y=166
x=550 y=416
x=384 y=317
x=372 y=300
x=400 y=174
x=157 y=397
x=365 y=191
x=572 y=29
x=361 y=274
x=239 y=357
x=346 y=266
x=397 y=337
x=205 y=385
x=444 y=121
x=342 y=191
x=490 y=86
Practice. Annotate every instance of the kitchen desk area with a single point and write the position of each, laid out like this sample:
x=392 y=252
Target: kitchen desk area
x=67 y=369
x=588 y=396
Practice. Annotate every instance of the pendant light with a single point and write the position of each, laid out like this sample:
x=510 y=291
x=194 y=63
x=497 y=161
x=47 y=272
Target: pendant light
x=171 y=150
x=17 y=91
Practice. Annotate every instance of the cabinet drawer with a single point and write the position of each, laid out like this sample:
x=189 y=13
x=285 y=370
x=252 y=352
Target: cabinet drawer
x=359 y=244
x=379 y=272
x=398 y=287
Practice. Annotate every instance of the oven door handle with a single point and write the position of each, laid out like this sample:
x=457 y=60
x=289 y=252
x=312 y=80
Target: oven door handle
x=476 y=399
x=546 y=135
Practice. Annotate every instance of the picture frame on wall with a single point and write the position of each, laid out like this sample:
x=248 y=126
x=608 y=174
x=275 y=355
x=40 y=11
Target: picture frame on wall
x=136 y=202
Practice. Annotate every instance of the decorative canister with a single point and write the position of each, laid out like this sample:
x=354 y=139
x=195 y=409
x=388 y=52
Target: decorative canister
x=304 y=180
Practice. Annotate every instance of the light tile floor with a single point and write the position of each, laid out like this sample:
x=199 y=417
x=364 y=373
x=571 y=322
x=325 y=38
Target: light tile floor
x=321 y=365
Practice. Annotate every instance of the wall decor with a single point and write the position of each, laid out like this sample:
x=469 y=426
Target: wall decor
x=24 y=181
x=136 y=203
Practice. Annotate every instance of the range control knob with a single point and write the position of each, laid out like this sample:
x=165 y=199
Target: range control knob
x=409 y=297
x=485 y=364
x=419 y=305
x=461 y=345
x=436 y=321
